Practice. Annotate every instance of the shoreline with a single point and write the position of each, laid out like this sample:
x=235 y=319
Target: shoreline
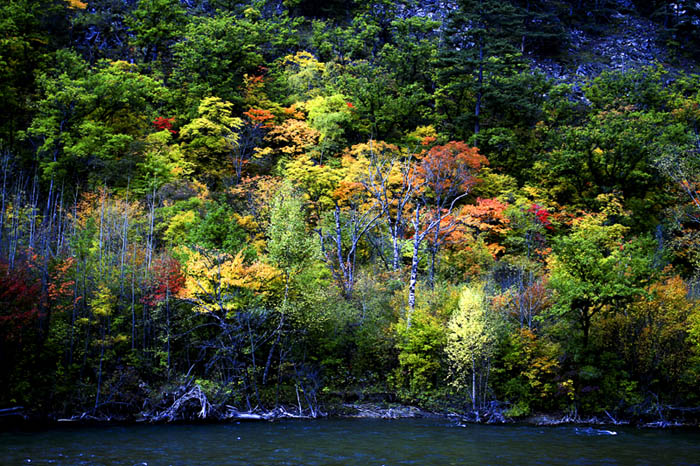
x=377 y=411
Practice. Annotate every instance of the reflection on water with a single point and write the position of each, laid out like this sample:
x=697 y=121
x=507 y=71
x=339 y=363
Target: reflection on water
x=348 y=441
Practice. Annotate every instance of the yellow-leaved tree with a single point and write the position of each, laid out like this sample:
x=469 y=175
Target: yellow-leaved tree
x=211 y=139
x=221 y=284
x=471 y=342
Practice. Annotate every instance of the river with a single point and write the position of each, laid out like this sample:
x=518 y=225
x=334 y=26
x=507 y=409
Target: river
x=347 y=441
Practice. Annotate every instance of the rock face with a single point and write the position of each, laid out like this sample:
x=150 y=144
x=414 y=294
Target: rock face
x=629 y=41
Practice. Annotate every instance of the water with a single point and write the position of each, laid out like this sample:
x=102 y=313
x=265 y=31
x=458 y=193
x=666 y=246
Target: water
x=347 y=442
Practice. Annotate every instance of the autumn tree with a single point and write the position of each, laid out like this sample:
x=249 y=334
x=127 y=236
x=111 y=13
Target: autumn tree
x=471 y=343
x=211 y=138
x=449 y=172
x=167 y=281
x=389 y=175
x=286 y=141
x=655 y=337
x=598 y=268
x=341 y=240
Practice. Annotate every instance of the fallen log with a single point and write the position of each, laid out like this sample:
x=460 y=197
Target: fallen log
x=177 y=411
x=14 y=411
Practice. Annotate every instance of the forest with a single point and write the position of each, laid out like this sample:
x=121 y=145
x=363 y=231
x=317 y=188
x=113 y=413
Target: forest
x=216 y=205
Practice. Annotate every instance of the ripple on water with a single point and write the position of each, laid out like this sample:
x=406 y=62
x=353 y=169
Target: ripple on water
x=349 y=441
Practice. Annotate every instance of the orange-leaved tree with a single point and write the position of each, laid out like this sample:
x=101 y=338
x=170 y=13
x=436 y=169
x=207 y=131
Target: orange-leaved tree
x=447 y=173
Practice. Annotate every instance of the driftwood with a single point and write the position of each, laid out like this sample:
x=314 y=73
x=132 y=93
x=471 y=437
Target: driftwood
x=277 y=413
x=378 y=411
x=14 y=411
x=178 y=410
x=234 y=414
x=614 y=421
x=192 y=403
x=491 y=413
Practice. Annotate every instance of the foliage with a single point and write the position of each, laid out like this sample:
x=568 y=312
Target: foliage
x=223 y=284
x=289 y=203
x=290 y=247
x=529 y=372
x=471 y=343
x=88 y=120
x=596 y=268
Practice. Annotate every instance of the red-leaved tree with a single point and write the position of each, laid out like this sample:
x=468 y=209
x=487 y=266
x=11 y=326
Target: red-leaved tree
x=448 y=172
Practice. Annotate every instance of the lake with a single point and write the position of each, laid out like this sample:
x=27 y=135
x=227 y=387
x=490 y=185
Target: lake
x=347 y=441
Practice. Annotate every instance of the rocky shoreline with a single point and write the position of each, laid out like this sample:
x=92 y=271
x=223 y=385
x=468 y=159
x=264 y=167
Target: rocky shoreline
x=16 y=417
x=496 y=417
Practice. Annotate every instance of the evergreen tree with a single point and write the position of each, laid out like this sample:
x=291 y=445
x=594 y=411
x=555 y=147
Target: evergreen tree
x=481 y=40
x=543 y=31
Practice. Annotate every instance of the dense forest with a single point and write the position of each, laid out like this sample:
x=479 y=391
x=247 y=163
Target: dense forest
x=297 y=203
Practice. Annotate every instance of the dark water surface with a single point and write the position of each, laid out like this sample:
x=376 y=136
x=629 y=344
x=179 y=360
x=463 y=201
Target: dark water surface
x=347 y=441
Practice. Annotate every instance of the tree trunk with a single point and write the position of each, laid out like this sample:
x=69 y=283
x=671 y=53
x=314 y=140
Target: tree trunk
x=396 y=247
x=586 y=326
x=473 y=384
x=167 y=322
x=417 y=237
x=480 y=83
x=433 y=254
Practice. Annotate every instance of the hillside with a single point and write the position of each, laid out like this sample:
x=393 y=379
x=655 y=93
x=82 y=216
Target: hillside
x=215 y=207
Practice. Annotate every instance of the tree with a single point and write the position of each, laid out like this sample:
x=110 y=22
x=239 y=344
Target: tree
x=613 y=152
x=289 y=246
x=683 y=167
x=166 y=284
x=678 y=19
x=655 y=337
x=218 y=230
x=100 y=31
x=381 y=107
x=256 y=124
x=304 y=76
x=529 y=372
x=20 y=297
x=211 y=138
x=543 y=31
x=220 y=284
x=471 y=342
x=28 y=30
x=216 y=52
x=596 y=268
x=389 y=175
x=331 y=116
x=449 y=172
x=285 y=142
x=636 y=120
x=479 y=46
x=214 y=55
x=163 y=162
x=487 y=218
x=88 y=121
x=317 y=181
x=157 y=24
x=339 y=247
